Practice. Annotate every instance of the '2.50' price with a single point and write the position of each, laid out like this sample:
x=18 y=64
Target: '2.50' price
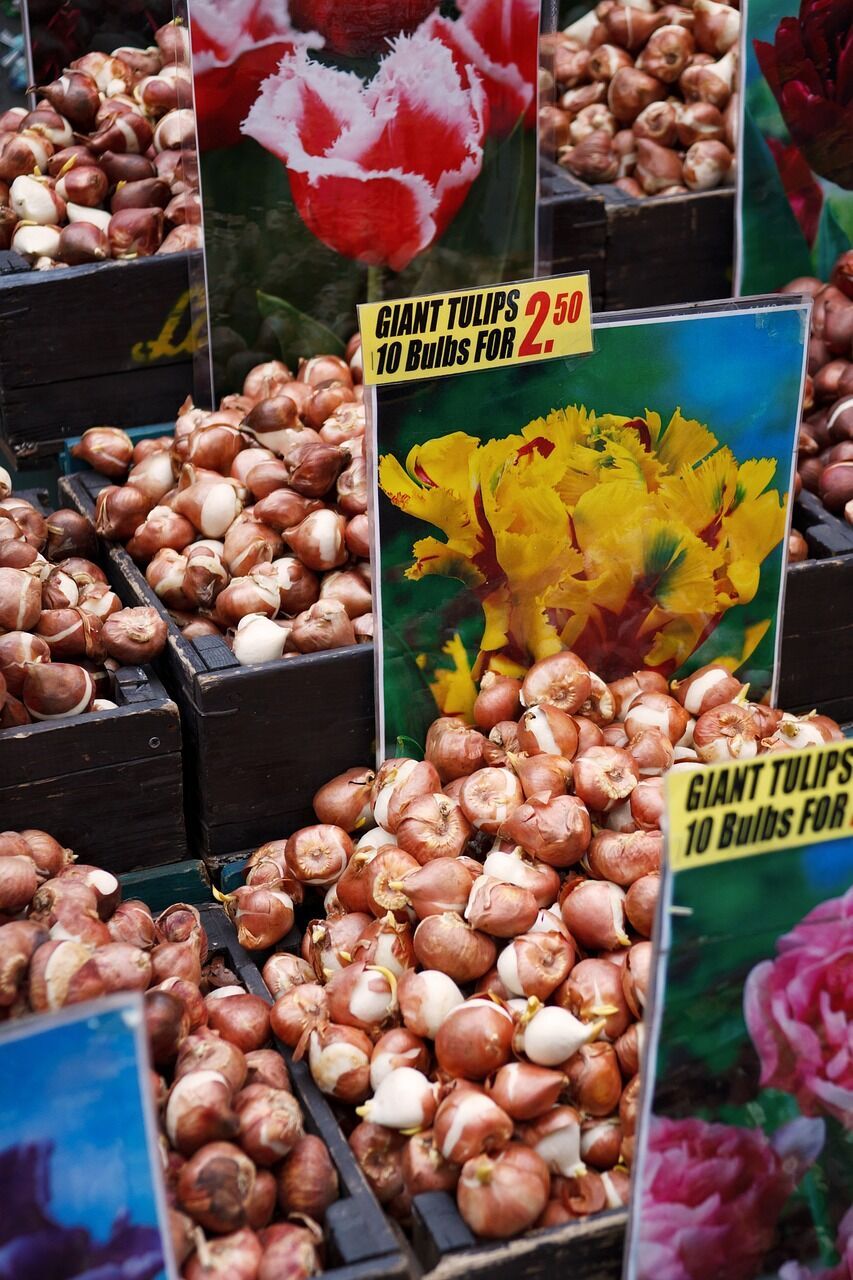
x=567 y=310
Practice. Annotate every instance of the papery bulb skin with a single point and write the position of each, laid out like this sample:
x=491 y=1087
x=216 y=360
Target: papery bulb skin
x=307 y=1179
x=525 y=1091
x=469 y=1122
x=474 y=1040
x=426 y=998
x=594 y=992
x=379 y=1152
x=503 y=1195
x=339 y=1058
x=454 y=748
x=594 y=911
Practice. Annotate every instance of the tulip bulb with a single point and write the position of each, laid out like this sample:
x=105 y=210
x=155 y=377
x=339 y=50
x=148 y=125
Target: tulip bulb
x=556 y=1137
x=426 y=998
x=503 y=1195
x=475 y=1039
x=56 y=690
x=405 y=1099
x=339 y=1058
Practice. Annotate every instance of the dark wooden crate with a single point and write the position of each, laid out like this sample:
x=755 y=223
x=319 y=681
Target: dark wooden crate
x=361 y=1243
x=80 y=346
x=817 y=635
x=258 y=741
x=572 y=230
x=107 y=784
x=446 y=1249
x=657 y=252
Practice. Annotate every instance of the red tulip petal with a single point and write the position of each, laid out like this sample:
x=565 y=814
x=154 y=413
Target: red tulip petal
x=502 y=45
x=235 y=47
x=378 y=170
x=804 y=195
x=224 y=95
x=423 y=117
x=306 y=106
x=792 y=60
x=364 y=29
x=375 y=218
x=766 y=56
x=844 y=72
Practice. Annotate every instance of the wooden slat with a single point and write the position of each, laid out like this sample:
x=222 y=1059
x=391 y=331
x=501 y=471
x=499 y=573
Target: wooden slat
x=120 y=816
x=77 y=348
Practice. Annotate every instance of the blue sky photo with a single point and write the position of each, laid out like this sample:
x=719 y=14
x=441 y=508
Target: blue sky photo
x=76 y=1084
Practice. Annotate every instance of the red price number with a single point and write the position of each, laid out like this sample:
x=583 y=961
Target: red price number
x=567 y=310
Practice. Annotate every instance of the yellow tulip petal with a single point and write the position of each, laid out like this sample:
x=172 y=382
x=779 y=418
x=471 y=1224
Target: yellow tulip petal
x=754 y=476
x=744 y=575
x=453 y=688
x=674 y=643
x=432 y=557
x=684 y=442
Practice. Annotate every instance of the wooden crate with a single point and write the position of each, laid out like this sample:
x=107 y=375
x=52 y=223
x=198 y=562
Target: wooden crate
x=572 y=230
x=258 y=741
x=656 y=252
x=80 y=346
x=107 y=783
x=588 y=1249
x=817 y=636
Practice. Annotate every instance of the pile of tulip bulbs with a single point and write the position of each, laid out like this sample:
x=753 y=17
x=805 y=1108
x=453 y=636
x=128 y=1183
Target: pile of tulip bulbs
x=105 y=167
x=646 y=96
x=825 y=452
x=247 y=1187
x=475 y=988
x=63 y=632
x=251 y=519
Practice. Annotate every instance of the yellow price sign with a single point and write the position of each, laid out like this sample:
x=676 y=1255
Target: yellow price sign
x=721 y=812
x=445 y=333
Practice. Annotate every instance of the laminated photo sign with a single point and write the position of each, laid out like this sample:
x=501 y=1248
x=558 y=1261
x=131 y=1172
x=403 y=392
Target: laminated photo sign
x=742 y=1153
x=630 y=504
x=80 y=1185
x=795 y=190
x=352 y=152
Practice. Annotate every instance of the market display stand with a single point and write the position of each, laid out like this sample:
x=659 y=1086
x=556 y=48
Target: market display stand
x=640 y=253
x=109 y=781
x=105 y=343
x=311 y=717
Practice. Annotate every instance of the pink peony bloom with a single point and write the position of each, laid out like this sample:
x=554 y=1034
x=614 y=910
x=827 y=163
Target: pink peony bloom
x=377 y=170
x=712 y=1194
x=501 y=39
x=799 y=1011
x=236 y=45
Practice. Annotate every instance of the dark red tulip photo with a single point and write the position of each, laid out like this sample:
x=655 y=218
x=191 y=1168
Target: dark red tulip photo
x=809 y=67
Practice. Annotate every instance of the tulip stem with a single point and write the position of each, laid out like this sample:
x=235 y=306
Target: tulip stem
x=375 y=284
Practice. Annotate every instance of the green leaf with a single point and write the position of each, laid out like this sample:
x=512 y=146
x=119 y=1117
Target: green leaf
x=299 y=335
x=773 y=247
